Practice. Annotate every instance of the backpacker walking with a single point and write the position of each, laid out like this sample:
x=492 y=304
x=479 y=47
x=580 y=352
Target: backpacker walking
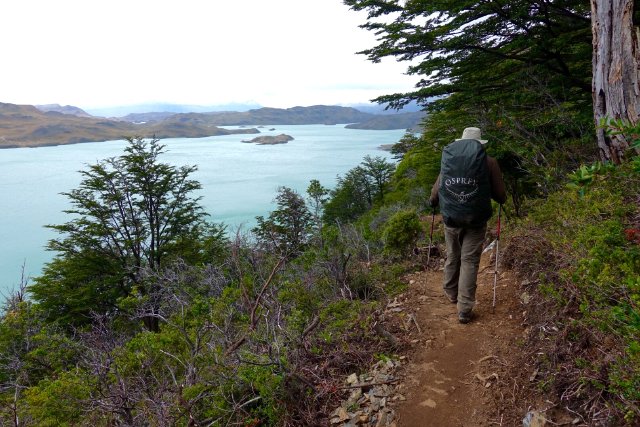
x=468 y=180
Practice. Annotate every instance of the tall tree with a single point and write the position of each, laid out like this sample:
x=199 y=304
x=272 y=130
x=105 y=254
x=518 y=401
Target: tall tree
x=358 y=190
x=287 y=229
x=129 y=212
x=317 y=197
x=378 y=172
x=351 y=197
x=616 y=68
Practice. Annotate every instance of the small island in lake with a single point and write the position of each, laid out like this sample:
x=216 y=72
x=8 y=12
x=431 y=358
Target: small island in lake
x=270 y=139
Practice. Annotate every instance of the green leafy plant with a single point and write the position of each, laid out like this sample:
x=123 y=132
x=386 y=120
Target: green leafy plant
x=583 y=177
x=401 y=232
x=613 y=127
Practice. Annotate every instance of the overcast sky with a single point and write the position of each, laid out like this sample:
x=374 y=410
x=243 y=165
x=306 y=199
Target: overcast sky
x=276 y=53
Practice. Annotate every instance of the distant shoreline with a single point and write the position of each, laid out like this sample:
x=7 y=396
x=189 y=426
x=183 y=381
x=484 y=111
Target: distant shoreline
x=38 y=144
x=26 y=126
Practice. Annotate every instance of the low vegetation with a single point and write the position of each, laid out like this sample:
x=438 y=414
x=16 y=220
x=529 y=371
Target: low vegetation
x=578 y=255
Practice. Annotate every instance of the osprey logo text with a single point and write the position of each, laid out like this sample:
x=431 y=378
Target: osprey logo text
x=470 y=186
x=463 y=181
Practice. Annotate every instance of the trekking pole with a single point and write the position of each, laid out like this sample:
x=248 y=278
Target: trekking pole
x=433 y=218
x=495 y=271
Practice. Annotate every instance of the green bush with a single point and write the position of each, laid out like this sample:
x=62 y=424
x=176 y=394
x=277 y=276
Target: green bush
x=57 y=402
x=401 y=232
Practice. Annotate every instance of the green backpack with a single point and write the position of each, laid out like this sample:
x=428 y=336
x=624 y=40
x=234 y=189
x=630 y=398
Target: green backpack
x=465 y=191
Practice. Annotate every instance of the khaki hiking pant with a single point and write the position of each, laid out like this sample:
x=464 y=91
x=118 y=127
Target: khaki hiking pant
x=464 y=247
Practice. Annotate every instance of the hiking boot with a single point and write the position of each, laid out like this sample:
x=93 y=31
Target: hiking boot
x=464 y=318
x=451 y=299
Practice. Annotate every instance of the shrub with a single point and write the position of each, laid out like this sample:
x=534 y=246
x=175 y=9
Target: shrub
x=401 y=232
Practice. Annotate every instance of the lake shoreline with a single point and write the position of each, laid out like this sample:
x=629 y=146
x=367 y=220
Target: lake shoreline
x=239 y=181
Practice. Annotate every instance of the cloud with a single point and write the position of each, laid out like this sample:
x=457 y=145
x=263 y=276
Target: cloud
x=277 y=53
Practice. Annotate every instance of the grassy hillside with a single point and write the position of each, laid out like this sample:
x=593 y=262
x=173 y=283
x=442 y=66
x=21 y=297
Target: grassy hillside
x=26 y=126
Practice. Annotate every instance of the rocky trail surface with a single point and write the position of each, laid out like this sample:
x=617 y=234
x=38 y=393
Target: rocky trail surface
x=451 y=374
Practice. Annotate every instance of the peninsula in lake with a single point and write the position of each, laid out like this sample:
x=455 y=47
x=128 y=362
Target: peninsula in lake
x=52 y=124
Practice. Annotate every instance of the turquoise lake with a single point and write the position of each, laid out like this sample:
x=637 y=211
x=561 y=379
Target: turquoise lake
x=239 y=180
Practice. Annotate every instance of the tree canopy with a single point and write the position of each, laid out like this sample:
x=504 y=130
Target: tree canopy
x=359 y=189
x=129 y=213
x=479 y=46
x=288 y=228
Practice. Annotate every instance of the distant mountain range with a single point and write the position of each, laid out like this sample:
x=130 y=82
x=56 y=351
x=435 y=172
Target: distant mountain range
x=67 y=109
x=409 y=121
x=32 y=126
x=167 y=108
x=121 y=111
x=319 y=114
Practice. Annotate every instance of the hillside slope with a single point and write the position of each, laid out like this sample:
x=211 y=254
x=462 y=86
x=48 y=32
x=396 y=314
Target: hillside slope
x=30 y=126
x=26 y=126
x=318 y=114
x=66 y=109
x=393 y=121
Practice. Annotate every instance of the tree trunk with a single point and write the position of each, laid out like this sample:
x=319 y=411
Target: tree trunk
x=616 y=92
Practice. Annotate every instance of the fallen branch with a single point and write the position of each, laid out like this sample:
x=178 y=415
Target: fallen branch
x=252 y=324
x=264 y=287
x=386 y=335
x=314 y=323
x=412 y=317
x=491 y=356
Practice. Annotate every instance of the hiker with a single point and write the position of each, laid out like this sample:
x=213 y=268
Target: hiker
x=468 y=180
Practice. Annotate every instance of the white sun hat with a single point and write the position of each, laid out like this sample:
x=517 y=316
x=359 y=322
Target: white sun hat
x=473 y=133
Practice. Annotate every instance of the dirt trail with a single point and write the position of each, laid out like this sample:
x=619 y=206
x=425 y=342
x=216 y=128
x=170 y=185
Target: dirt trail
x=456 y=373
